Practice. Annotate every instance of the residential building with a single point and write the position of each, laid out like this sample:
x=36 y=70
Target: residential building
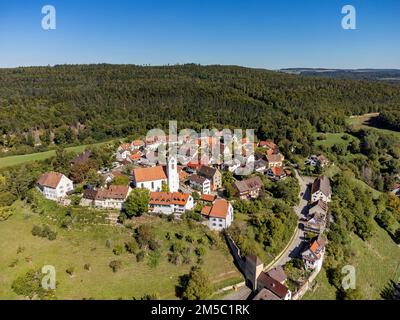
x=112 y=198
x=212 y=174
x=275 y=160
x=199 y=183
x=137 y=144
x=260 y=166
x=321 y=190
x=219 y=215
x=208 y=198
x=313 y=256
x=276 y=173
x=249 y=188
x=54 y=185
x=170 y=202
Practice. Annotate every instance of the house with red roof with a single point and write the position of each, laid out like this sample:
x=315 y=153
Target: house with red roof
x=313 y=256
x=276 y=173
x=219 y=215
x=54 y=185
x=170 y=202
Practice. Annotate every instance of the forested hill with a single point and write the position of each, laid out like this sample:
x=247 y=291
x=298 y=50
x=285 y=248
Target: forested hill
x=71 y=103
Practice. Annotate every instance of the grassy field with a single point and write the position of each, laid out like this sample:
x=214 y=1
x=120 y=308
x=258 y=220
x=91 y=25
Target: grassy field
x=363 y=122
x=332 y=139
x=78 y=247
x=20 y=159
x=377 y=261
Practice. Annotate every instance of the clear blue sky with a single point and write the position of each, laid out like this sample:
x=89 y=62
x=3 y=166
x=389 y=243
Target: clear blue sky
x=257 y=33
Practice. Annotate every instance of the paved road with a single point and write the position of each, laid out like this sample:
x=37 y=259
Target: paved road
x=241 y=294
x=301 y=209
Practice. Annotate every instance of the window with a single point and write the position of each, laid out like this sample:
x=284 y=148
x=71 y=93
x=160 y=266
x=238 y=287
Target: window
x=152 y=185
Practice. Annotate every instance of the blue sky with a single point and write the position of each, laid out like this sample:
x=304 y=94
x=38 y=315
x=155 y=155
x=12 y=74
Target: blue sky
x=255 y=33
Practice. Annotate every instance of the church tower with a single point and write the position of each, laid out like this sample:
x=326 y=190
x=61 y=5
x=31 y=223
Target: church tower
x=172 y=174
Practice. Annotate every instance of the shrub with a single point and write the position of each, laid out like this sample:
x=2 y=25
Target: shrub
x=154 y=245
x=44 y=232
x=115 y=265
x=140 y=256
x=200 y=251
x=87 y=267
x=174 y=258
x=154 y=259
x=109 y=243
x=118 y=250
x=70 y=271
x=30 y=285
x=36 y=231
x=132 y=246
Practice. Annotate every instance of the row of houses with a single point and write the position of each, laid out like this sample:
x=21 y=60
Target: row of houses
x=321 y=195
x=218 y=214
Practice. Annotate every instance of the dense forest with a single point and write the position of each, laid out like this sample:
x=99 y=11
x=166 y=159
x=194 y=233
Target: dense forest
x=85 y=103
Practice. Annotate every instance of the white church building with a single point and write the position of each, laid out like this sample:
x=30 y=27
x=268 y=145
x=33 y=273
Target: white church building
x=154 y=178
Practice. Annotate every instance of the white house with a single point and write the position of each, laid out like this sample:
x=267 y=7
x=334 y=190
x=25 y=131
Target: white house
x=54 y=185
x=219 y=215
x=200 y=183
x=314 y=255
x=154 y=178
x=170 y=202
x=111 y=198
x=321 y=190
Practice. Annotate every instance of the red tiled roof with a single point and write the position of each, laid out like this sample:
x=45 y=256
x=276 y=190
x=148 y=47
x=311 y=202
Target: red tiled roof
x=50 y=179
x=165 y=198
x=219 y=209
x=277 y=171
x=275 y=157
x=208 y=197
x=193 y=165
x=273 y=285
x=136 y=155
x=137 y=143
x=149 y=174
x=114 y=192
x=206 y=210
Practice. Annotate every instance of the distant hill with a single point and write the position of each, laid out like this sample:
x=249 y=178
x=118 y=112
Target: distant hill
x=71 y=104
x=390 y=75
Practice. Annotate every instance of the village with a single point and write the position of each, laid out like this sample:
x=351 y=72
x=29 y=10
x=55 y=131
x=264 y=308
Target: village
x=193 y=182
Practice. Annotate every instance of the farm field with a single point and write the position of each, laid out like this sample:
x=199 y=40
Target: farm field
x=75 y=248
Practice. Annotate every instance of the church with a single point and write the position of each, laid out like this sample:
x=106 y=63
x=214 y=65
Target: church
x=155 y=178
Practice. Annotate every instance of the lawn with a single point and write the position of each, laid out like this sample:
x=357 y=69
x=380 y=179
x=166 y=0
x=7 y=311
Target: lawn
x=332 y=139
x=20 y=159
x=88 y=245
x=377 y=261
